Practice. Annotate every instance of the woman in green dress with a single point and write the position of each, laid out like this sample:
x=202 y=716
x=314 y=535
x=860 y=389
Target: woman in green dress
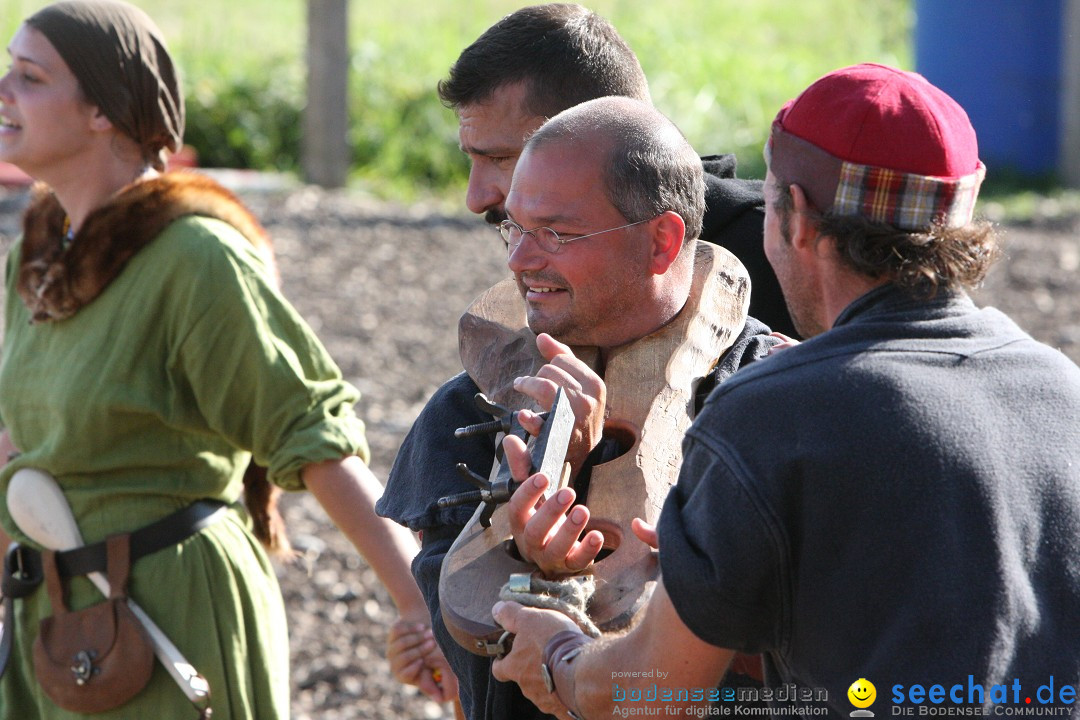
x=148 y=356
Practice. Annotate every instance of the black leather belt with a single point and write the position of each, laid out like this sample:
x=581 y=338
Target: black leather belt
x=147 y=540
x=22 y=565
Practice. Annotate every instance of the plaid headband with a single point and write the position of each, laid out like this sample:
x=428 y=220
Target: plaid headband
x=905 y=200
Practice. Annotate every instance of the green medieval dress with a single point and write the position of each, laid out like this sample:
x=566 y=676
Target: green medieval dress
x=155 y=394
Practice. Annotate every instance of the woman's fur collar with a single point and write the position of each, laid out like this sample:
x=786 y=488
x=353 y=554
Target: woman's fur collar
x=55 y=283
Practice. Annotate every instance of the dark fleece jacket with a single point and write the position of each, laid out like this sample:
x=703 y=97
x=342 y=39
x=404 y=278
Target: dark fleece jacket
x=734 y=215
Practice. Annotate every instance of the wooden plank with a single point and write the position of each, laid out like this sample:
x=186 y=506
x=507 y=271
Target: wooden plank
x=325 y=152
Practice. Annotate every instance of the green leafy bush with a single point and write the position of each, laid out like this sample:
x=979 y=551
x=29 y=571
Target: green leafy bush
x=249 y=121
x=403 y=139
x=719 y=69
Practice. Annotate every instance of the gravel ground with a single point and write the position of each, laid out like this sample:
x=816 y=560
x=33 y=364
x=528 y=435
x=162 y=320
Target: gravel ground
x=383 y=286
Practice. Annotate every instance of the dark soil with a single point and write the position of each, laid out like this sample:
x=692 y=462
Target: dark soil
x=383 y=286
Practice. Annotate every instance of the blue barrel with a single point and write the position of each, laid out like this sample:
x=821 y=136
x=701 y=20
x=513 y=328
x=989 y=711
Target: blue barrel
x=1002 y=61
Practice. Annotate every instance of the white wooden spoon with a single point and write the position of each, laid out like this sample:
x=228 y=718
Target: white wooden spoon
x=39 y=508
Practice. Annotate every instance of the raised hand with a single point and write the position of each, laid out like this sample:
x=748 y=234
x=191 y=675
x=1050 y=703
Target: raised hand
x=583 y=388
x=543 y=532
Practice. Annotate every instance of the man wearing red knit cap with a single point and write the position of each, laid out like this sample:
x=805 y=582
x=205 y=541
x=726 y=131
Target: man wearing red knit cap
x=895 y=501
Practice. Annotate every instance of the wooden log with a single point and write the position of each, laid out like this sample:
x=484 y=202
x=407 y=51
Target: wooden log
x=325 y=152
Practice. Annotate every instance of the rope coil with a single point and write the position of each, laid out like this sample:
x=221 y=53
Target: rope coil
x=569 y=595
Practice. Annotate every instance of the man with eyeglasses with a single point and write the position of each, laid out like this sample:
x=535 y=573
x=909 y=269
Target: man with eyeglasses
x=603 y=213
x=529 y=66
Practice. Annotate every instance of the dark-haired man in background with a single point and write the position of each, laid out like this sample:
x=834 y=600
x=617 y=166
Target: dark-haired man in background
x=541 y=60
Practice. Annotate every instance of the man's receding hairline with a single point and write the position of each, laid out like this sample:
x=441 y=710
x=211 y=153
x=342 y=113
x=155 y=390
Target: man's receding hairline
x=597 y=140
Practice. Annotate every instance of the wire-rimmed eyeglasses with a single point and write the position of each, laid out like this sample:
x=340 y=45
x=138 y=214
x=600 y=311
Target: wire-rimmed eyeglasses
x=547 y=239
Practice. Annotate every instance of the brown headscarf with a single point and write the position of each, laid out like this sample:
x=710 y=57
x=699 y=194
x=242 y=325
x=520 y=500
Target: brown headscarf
x=119 y=57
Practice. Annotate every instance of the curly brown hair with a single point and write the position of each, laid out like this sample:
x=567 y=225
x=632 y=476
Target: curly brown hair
x=921 y=262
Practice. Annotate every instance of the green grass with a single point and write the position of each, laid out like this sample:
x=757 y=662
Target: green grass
x=1023 y=200
x=719 y=68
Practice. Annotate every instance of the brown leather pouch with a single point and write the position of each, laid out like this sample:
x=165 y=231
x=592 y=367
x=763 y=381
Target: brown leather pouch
x=96 y=659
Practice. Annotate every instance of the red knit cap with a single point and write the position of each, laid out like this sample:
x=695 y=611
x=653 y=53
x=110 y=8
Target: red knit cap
x=879 y=142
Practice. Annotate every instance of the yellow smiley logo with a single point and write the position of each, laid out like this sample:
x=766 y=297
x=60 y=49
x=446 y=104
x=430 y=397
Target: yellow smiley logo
x=862 y=693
